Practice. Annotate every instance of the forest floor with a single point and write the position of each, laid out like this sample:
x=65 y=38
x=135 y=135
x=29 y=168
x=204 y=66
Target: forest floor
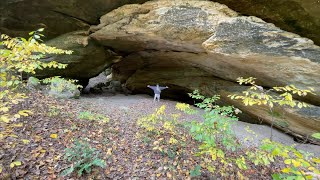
x=38 y=141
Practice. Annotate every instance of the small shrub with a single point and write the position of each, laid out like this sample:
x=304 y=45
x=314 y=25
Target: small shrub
x=257 y=95
x=92 y=116
x=53 y=111
x=214 y=134
x=185 y=108
x=82 y=158
x=298 y=164
x=206 y=103
x=18 y=56
x=162 y=129
x=216 y=125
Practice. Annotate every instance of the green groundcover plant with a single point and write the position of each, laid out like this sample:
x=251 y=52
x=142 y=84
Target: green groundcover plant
x=82 y=158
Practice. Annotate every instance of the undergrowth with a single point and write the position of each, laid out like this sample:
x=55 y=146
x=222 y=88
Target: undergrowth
x=82 y=158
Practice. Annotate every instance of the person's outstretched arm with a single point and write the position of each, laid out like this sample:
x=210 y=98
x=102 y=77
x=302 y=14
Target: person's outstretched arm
x=151 y=87
x=162 y=88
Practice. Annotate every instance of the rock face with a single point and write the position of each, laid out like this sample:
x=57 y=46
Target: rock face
x=87 y=60
x=18 y=18
x=204 y=45
x=298 y=16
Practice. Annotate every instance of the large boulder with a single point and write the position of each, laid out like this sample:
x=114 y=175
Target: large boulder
x=87 y=60
x=63 y=89
x=180 y=42
x=33 y=83
x=18 y=18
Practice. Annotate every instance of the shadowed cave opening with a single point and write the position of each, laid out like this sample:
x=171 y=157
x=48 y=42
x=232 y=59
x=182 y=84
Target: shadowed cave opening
x=174 y=93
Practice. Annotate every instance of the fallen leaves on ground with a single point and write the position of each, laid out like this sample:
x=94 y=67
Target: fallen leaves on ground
x=32 y=147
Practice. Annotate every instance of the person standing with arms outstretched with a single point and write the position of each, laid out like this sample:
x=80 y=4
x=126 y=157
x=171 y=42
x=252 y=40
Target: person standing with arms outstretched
x=157 y=90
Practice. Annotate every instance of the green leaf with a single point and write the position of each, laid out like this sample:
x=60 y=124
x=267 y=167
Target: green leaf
x=196 y=171
x=99 y=162
x=276 y=177
x=316 y=135
x=67 y=171
x=220 y=153
x=276 y=151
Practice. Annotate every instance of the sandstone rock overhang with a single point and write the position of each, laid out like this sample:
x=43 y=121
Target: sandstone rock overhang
x=87 y=60
x=18 y=18
x=202 y=44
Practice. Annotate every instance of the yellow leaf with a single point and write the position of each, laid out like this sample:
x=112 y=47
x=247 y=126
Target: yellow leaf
x=240 y=176
x=309 y=177
x=299 y=155
x=287 y=161
x=211 y=169
x=16 y=163
x=4 y=118
x=24 y=112
x=25 y=141
x=4 y=109
x=17 y=116
x=18 y=125
x=169 y=175
x=286 y=170
x=316 y=160
x=213 y=155
x=0 y=169
x=311 y=168
x=54 y=136
x=109 y=152
x=13 y=135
